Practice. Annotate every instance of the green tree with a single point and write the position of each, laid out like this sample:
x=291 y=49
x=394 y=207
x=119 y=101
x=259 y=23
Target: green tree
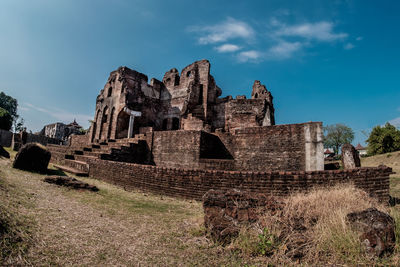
x=383 y=139
x=337 y=135
x=19 y=125
x=5 y=120
x=10 y=104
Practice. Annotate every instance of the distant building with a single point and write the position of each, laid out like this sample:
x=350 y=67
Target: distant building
x=60 y=130
x=328 y=153
x=362 y=151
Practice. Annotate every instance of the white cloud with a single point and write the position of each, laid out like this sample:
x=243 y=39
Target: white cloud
x=61 y=115
x=395 y=122
x=227 y=30
x=23 y=108
x=251 y=55
x=349 y=46
x=282 y=42
x=37 y=108
x=225 y=48
x=359 y=38
x=320 y=31
x=284 y=50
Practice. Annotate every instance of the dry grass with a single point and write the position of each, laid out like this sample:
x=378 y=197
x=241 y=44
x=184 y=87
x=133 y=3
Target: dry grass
x=312 y=229
x=389 y=159
x=15 y=228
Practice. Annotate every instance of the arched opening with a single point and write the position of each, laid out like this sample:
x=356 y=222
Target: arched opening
x=104 y=125
x=95 y=125
x=256 y=95
x=201 y=94
x=111 y=123
x=189 y=73
x=176 y=80
x=165 y=124
x=121 y=130
x=109 y=93
x=175 y=124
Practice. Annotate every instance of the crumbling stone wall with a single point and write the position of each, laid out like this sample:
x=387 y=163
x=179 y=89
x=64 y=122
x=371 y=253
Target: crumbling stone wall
x=78 y=140
x=5 y=138
x=226 y=211
x=193 y=184
x=244 y=113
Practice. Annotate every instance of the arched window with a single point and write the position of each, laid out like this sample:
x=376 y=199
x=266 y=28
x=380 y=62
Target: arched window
x=189 y=73
x=109 y=92
x=256 y=95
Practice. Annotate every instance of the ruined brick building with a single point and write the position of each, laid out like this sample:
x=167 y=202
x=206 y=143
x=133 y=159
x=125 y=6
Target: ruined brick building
x=189 y=101
x=179 y=137
x=182 y=122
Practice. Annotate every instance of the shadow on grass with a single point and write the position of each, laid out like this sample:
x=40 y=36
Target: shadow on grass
x=55 y=172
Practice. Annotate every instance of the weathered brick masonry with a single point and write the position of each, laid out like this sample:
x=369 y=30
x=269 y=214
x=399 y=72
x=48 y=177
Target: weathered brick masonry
x=193 y=184
x=188 y=140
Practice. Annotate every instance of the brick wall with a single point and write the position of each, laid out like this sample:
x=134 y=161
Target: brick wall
x=278 y=147
x=5 y=138
x=176 y=149
x=193 y=184
x=78 y=140
x=41 y=139
x=241 y=113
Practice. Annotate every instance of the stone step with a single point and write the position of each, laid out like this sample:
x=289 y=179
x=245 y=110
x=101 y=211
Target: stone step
x=72 y=170
x=84 y=158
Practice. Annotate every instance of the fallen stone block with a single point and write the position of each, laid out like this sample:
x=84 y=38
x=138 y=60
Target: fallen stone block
x=376 y=230
x=32 y=157
x=226 y=211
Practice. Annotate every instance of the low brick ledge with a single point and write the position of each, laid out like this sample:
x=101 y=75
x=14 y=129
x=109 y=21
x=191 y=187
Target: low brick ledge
x=383 y=168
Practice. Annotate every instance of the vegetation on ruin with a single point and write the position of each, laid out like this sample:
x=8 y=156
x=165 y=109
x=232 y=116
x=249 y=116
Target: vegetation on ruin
x=336 y=135
x=383 y=139
x=51 y=225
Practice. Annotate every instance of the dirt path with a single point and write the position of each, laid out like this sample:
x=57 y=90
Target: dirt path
x=112 y=227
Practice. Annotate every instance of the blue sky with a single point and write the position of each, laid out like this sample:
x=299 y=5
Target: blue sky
x=330 y=61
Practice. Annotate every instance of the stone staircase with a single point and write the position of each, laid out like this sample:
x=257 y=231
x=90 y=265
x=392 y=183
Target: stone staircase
x=75 y=159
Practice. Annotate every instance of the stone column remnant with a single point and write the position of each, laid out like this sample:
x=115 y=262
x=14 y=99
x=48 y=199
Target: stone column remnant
x=350 y=157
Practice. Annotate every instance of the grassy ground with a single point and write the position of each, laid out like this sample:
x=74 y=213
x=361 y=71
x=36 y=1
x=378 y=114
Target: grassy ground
x=51 y=225
x=389 y=159
x=110 y=227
